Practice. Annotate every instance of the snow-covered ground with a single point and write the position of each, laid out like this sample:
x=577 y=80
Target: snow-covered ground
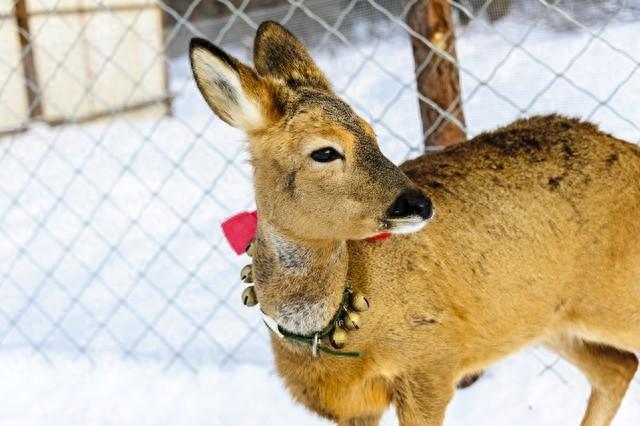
x=113 y=267
x=125 y=393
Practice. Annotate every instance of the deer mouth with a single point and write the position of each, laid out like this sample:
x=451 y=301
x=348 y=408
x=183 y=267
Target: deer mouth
x=405 y=225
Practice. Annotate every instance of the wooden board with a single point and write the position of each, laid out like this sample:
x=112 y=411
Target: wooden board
x=75 y=6
x=127 y=62
x=61 y=62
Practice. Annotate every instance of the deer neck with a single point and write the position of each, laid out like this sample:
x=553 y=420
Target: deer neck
x=299 y=283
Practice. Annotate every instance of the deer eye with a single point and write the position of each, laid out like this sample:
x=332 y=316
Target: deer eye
x=326 y=155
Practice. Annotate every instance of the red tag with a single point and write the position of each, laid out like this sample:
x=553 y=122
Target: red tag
x=240 y=230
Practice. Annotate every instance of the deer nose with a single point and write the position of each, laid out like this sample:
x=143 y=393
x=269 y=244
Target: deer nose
x=411 y=203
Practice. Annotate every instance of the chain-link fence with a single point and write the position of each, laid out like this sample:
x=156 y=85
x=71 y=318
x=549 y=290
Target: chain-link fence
x=114 y=175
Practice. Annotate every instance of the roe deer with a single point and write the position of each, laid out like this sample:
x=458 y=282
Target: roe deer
x=535 y=239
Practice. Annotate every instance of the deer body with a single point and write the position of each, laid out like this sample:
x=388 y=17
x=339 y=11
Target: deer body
x=488 y=277
x=535 y=240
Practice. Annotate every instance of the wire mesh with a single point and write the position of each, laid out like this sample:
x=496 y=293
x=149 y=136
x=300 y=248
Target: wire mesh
x=109 y=228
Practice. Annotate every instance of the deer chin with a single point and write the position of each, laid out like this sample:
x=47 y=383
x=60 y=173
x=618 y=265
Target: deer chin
x=405 y=225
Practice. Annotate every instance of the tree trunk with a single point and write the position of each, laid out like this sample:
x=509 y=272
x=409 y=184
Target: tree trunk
x=437 y=78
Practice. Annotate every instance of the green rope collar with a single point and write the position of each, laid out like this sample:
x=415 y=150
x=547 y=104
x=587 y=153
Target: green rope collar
x=317 y=341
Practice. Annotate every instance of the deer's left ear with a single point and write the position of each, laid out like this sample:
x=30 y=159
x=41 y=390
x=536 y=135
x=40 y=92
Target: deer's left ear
x=234 y=91
x=278 y=53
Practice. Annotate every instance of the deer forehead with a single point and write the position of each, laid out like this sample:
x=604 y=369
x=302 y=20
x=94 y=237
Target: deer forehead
x=326 y=113
x=316 y=120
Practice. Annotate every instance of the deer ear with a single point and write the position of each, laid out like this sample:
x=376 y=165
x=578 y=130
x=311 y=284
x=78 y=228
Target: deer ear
x=279 y=54
x=234 y=91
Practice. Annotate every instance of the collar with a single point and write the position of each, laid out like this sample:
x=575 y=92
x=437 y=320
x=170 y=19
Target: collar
x=316 y=341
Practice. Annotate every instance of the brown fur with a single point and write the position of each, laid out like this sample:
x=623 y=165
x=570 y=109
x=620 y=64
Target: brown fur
x=535 y=240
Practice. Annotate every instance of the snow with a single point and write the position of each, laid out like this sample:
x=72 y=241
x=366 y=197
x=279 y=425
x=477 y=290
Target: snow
x=126 y=393
x=120 y=304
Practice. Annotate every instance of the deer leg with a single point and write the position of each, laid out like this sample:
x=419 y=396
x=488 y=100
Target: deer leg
x=608 y=369
x=421 y=399
x=362 y=421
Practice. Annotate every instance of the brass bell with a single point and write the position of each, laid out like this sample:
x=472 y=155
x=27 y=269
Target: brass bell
x=359 y=302
x=251 y=248
x=338 y=338
x=246 y=274
x=249 y=297
x=352 y=321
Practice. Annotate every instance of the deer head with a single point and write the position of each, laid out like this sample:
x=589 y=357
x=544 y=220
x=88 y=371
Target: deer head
x=318 y=170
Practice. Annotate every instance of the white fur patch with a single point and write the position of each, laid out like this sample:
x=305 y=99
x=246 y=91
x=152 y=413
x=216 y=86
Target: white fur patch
x=304 y=318
x=407 y=225
x=295 y=259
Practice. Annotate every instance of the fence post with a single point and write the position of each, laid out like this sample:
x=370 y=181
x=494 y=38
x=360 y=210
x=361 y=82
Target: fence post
x=28 y=63
x=437 y=79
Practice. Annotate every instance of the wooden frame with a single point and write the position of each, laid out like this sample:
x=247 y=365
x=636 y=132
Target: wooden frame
x=37 y=61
